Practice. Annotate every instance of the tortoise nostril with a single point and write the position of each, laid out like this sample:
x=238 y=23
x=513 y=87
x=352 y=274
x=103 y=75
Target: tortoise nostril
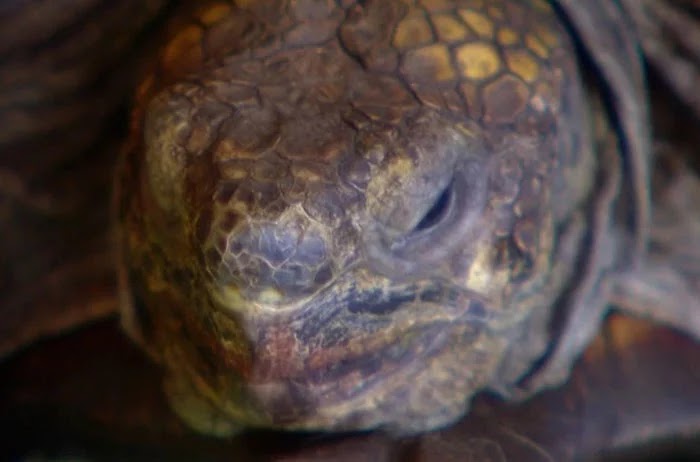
x=437 y=211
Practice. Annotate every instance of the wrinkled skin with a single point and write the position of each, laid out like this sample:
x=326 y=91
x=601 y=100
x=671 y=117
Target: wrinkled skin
x=626 y=292
x=358 y=216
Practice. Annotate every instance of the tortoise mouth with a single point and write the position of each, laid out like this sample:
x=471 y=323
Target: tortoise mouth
x=316 y=365
x=353 y=307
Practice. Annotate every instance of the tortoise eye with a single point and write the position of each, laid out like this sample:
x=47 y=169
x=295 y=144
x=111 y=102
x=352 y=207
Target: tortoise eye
x=442 y=229
x=437 y=211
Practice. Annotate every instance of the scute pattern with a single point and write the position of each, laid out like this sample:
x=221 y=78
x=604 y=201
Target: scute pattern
x=452 y=44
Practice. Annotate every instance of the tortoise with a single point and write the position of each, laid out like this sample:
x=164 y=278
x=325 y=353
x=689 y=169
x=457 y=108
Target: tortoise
x=378 y=208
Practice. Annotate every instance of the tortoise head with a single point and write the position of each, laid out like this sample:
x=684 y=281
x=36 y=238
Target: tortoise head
x=315 y=239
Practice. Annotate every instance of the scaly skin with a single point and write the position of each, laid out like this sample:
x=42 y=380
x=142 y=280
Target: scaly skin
x=343 y=215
